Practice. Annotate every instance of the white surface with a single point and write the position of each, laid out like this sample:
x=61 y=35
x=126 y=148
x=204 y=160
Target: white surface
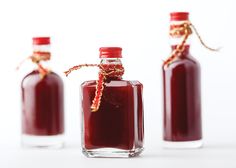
x=183 y=145
x=56 y=141
x=215 y=155
x=78 y=28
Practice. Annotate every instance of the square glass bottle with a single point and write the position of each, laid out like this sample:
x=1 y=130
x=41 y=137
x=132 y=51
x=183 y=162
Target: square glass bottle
x=116 y=128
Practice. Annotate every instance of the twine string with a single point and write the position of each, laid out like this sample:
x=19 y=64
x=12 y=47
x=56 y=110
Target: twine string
x=105 y=71
x=36 y=58
x=183 y=30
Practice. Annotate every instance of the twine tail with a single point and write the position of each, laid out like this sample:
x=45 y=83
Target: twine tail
x=22 y=62
x=98 y=94
x=74 y=68
x=201 y=41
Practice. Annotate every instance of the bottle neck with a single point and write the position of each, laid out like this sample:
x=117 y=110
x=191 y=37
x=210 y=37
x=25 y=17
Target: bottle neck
x=184 y=53
x=41 y=50
x=109 y=64
x=111 y=61
x=177 y=40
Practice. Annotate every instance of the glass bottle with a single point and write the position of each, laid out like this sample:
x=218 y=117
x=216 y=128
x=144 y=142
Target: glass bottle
x=116 y=129
x=182 y=95
x=42 y=104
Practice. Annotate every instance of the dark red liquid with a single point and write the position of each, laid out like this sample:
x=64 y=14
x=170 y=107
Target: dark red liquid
x=42 y=104
x=119 y=121
x=182 y=99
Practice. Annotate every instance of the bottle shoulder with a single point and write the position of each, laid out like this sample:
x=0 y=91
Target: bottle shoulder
x=34 y=78
x=187 y=62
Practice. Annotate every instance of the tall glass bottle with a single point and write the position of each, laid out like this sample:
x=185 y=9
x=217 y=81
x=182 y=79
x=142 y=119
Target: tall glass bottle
x=116 y=129
x=182 y=95
x=42 y=102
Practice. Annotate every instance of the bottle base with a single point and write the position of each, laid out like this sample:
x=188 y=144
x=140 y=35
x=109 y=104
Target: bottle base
x=183 y=144
x=52 y=141
x=112 y=153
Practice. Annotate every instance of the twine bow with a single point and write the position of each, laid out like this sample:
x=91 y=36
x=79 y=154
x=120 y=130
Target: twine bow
x=105 y=71
x=36 y=58
x=183 y=30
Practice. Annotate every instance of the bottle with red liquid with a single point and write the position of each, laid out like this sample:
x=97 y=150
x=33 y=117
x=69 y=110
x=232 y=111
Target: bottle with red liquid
x=42 y=101
x=182 y=94
x=116 y=128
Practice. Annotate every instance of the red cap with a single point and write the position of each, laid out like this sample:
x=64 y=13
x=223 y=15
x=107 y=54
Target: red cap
x=110 y=52
x=179 y=16
x=41 y=40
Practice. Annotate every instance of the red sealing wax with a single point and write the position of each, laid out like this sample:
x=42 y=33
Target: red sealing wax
x=41 y=40
x=179 y=16
x=110 y=52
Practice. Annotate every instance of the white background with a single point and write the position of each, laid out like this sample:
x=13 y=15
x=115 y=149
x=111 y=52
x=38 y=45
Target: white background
x=78 y=28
